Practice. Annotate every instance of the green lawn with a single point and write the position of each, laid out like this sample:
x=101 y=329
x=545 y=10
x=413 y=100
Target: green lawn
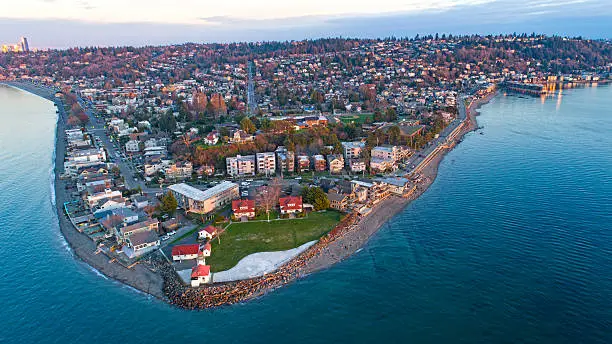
x=244 y=238
x=356 y=118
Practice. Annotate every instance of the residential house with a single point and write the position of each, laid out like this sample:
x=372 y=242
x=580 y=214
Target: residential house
x=141 y=242
x=243 y=208
x=206 y=170
x=100 y=197
x=140 y=201
x=123 y=233
x=290 y=204
x=208 y=232
x=212 y=138
x=240 y=136
x=335 y=163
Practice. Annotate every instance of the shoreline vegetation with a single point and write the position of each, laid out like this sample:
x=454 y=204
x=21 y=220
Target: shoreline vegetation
x=155 y=275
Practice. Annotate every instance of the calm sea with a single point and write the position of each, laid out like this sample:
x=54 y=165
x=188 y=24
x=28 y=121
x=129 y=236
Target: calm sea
x=512 y=244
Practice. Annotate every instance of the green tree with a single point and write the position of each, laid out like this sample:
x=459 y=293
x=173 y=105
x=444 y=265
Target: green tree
x=168 y=204
x=394 y=135
x=315 y=196
x=247 y=125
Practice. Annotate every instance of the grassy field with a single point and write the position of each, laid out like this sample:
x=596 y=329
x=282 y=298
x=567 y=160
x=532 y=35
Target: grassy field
x=356 y=118
x=244 y=238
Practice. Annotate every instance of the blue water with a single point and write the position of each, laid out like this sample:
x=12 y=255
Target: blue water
x=511 y=244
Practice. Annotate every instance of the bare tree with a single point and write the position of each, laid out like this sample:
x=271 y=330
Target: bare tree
x=267 y=196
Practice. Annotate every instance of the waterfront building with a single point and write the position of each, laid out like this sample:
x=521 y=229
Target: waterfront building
x=385 y=152
x=185 y=252
x=141 y=243
x=200 y=274
x=382 y=164
x=338 y=201
x=123 y=233
x=240 y=165
x=86 y=155
x=396 y=185
x=266 y=163
x=204 y=201
x=100 y=197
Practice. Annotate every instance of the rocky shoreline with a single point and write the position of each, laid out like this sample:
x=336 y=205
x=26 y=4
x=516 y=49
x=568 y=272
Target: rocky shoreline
x=156 y=276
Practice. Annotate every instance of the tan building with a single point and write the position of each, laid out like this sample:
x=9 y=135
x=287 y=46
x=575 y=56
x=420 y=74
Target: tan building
x=335 y=163
x=241 y=165
x=204 y=201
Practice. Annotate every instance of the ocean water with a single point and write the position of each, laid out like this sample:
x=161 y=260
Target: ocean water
x=511 y=244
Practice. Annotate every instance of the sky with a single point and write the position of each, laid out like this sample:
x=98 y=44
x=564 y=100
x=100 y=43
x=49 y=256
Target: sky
x=67 y=23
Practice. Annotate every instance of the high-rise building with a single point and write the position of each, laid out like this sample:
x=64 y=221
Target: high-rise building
x=24 y=45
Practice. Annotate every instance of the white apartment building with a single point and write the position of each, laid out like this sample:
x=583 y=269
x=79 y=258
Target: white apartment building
x=266 y=163
x=241 y=165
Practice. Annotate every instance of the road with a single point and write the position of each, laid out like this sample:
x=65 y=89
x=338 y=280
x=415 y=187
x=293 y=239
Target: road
x=443 y=139
x=251 y=103
x=96 y=127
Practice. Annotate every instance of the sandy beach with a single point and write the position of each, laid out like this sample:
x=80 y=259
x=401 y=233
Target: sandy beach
x=157 y=277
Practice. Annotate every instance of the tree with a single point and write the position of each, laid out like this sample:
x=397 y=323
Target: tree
x=394 y=134
x=247 y=125
x=168 y=204
x=267 y=196
x=315 y=196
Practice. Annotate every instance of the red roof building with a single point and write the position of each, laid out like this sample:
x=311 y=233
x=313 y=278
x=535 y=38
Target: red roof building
x=290 y=204
x=208 y=232
x=200 y=274
x=185 y=252
x=243 y=208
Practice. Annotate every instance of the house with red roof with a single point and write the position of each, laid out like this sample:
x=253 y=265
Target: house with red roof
x=290 y=204
x=200 y=274
x=208 y=232
x=243 y=208
x=185 y=252
x=205 y=250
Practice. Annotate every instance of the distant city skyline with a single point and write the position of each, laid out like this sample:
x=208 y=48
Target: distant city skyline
x=68 y=23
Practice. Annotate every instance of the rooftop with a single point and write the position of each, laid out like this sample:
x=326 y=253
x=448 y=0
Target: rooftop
x=201 y=195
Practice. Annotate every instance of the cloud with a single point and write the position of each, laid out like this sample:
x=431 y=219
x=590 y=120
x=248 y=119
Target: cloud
x=586 y=18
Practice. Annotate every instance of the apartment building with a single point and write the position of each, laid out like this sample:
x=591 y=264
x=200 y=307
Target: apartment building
x=241 y=165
